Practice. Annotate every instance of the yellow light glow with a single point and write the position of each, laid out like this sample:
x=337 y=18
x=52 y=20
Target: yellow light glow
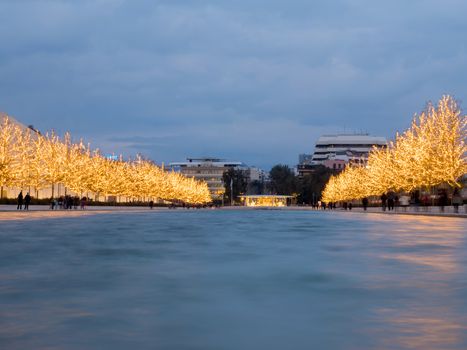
x=265 y=201
x=431 y=152
x=33 y=160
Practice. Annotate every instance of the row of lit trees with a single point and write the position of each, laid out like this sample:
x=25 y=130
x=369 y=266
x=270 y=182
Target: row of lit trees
x=431 y=152
x=31 y=160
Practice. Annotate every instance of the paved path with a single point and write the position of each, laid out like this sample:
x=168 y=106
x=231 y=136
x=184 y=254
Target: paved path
x=430 y=211
x=11 y=207
x=9 y=212
x=37 y=212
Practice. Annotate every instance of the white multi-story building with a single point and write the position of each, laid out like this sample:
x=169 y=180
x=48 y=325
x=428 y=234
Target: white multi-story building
x=351 y=148
x=210 y=170
x=256 y=174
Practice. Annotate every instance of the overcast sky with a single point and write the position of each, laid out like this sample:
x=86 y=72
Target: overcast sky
x=249 y=80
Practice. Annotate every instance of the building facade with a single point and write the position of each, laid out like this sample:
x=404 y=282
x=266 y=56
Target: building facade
x=338 y=151
x=352 y=148
x=210 y=170
x=304 y=158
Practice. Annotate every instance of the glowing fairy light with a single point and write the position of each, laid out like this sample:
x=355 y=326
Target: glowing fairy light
x=33 y=160
x=431 y=152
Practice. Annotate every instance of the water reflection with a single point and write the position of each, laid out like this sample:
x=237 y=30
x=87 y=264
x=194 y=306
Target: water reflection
x=428 y=317
x=429 y=327
x=233 y=280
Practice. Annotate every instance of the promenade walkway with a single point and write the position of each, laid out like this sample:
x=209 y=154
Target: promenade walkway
x=38 y=212
x=426 y=211
x=9 y=212
x=11 y=207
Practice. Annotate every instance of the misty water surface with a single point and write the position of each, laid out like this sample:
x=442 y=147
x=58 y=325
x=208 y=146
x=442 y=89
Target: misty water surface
x=234 y=280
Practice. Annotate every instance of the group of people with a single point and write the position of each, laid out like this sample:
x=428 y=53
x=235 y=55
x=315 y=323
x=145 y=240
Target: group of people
x=68 y=202
x=390 y=200
x=319 y=205
x=26 y=201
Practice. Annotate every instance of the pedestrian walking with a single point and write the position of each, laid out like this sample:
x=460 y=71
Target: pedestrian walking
x=365 y=203
x=83 y=203
x=151 y=204
x=20 y=201
x=384 y=199
x=69 y=202
x=391 y=200
x=27 y=201
x=443 y=200
x=457 y=200
x=425 y=201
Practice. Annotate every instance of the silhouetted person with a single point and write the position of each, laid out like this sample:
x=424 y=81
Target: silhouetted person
x=350 y=206
x=443 y=200
x=20 y=201
x=391 y=201
x=27 y=201
x=456 y=200
x=83 y=203
x=384 y=199
x=151 y=204
x=365 y=203
x=69 y=202
x=425 y=201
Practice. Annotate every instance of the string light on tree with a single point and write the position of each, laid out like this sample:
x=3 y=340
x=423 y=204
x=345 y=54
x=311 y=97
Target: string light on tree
x=431 y=152
x=33 y=160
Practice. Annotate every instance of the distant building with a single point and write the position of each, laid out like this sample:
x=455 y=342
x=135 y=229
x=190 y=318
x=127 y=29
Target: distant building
x=13 y=121
x=305 y=169
x=353 y=148
x=305 y=158
x=335 y=164
x=337 y=151
x=255 y=174
x=210 y=170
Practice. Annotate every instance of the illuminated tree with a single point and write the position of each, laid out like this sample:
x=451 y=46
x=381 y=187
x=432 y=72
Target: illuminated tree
x=10 y=135
x=53 y=159
x=431 y=152
x=30 y=159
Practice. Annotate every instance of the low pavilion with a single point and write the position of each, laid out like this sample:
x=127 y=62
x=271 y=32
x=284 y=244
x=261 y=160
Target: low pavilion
x=265 y=200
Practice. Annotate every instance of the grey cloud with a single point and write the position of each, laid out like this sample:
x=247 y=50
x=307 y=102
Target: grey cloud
x=119 y=73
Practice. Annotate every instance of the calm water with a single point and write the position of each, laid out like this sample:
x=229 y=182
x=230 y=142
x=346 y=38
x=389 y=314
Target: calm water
x=234 y=280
